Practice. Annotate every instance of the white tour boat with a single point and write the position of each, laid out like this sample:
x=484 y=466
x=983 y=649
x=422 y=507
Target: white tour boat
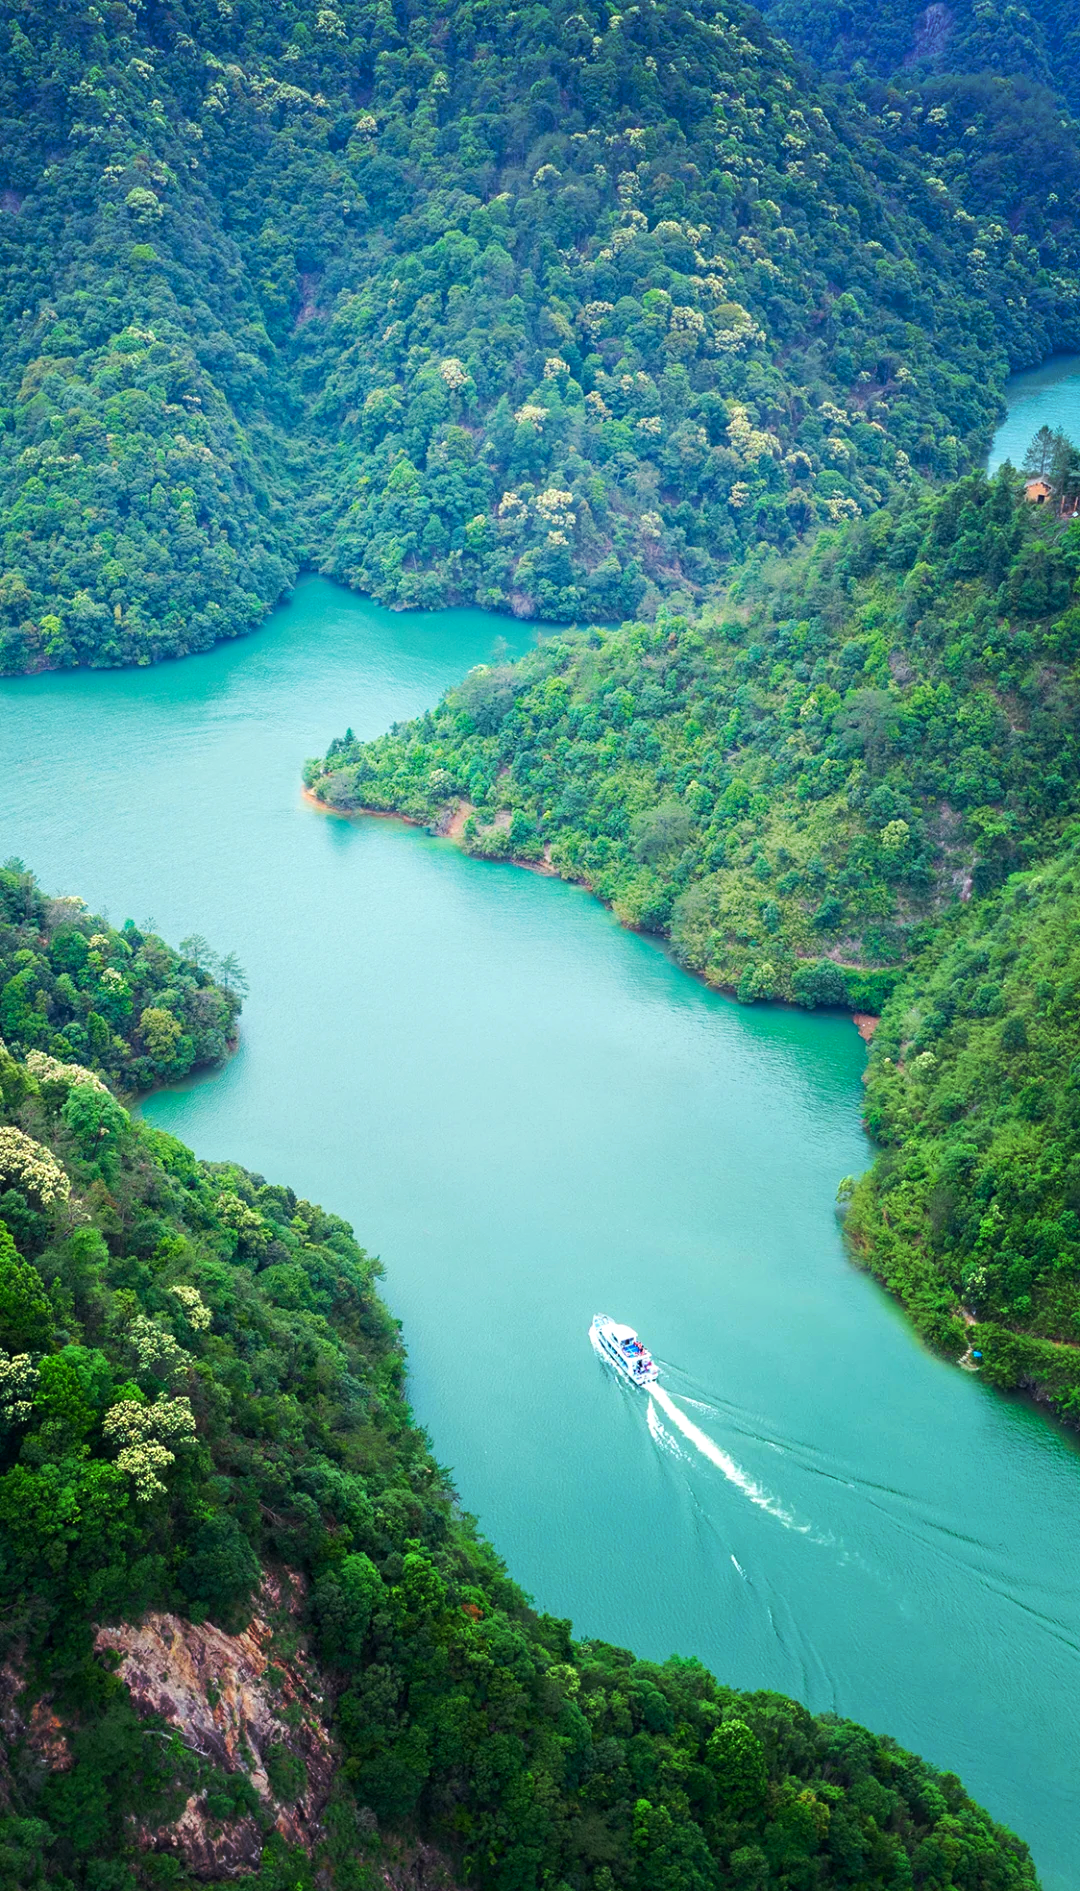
x=621 y=1347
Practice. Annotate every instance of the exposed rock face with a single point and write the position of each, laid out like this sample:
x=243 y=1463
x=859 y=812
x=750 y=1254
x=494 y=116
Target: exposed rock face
x=33 y=1725
x=416 y=1868
x=250 y=1703
x=933 y=31
x=46 y=1738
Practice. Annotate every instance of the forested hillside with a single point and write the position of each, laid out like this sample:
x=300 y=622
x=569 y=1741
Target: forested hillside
x=973 y=1213
x=841 y=783
x=907 y=42
x=796 y=782
x=558 y=311
x=201 y=1411
x=121 y=1002
x=976 y=87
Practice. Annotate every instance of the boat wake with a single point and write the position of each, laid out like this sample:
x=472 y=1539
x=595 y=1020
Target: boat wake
x=661 y=1401
x=660 y=1433
x=733 y=1472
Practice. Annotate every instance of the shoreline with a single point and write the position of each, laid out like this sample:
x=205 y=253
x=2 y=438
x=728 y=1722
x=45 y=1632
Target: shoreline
x=865 y=1022
x=452 y=831
x=1030 y=1387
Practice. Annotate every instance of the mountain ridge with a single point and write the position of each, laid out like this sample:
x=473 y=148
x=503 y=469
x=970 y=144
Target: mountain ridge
x=559 y=314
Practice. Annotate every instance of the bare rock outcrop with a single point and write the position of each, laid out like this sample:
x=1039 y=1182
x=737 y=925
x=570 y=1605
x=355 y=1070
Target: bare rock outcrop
x=32 y=1725
x=416 y=1867
x=251 y=1703
x=933 y=31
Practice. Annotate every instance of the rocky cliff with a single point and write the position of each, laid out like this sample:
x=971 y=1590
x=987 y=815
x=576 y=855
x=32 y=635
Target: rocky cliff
x=250 y=1704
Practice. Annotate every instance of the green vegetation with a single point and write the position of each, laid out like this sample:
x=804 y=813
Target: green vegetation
x=840 y=784
x=974 y=1091
x=908 y=44
x=555 y=311
x=975 y=88
x=197 y=1379
x=124 y=1003
x=1052 y=457
x=564 y=312
x=797 y=782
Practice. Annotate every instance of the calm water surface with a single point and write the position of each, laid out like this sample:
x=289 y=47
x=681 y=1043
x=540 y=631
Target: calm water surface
x=1043 y=397
x=531 y=1115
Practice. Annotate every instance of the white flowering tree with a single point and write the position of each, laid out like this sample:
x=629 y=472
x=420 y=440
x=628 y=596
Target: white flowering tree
x=146 y=1435
x=27 y=1165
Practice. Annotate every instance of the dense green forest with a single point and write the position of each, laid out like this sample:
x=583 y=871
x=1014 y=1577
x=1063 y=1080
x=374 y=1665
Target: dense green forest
x=633 y=318
x=973 y=1212
x=554 y=310
x=794 y=783
x=199 y=1383
x=72 y=987
x=838 y=785
x=906 y=42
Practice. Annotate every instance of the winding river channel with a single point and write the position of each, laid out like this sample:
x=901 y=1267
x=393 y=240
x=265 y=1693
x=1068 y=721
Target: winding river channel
x=532 y=1115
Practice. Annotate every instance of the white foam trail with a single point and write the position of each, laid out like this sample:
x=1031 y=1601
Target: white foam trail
x=740 y=1568
x=732 y=1471
x=660 y=1433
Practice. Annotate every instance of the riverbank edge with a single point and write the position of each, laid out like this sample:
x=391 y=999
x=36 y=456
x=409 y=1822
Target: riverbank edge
x=133 y=1100
x=453 y=829
x=1046 y=1371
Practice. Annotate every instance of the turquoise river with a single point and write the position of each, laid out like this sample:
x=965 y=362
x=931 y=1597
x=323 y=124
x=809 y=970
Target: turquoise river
x=531 y=1115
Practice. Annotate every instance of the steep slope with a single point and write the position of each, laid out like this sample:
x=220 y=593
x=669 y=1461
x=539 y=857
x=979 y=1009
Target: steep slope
x=139 y=478
x=903 y=36
x=795 y=784
x=858 y=779
x=123 y=1003
x=203 y=1416
x=979 y=88
x=973 y=1213
x=687 y=309
x=555 y=311
x=909 y=41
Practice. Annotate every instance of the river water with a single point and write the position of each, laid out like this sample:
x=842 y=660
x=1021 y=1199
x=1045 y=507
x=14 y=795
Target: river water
x=533 y=1115
x=1042 y=397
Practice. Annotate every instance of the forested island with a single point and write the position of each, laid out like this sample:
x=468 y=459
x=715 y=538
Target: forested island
x=246 y=1626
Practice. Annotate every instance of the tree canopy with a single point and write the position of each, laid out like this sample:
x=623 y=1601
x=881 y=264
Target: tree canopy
x=199 y=1382
x=559 y=312
x=797 y=782
x=121 y=1002
x=853 y=780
